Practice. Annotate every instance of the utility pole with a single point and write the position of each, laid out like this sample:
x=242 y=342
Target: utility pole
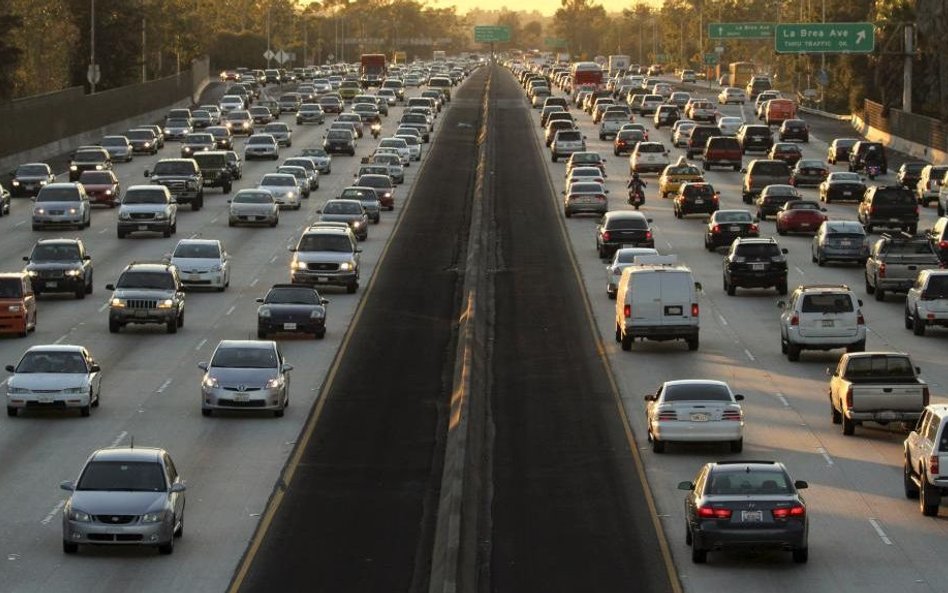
x=269 y=53
x=92 y=68
x=909 y=32
x=144 y=78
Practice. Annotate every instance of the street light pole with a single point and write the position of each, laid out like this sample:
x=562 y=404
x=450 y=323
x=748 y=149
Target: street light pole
x=92 y=49
x=269 y=53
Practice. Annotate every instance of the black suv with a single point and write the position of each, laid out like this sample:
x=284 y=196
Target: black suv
x=215 y=169
x=147 y=293
x=183 y=179
x=794 y=129
x=755 y=137
x=755 y=263
x=699 y=137
x=60 y=265
x=696 y=198
x=623 y=227
x=857 y=156
x=890 y=207
x=88 y=158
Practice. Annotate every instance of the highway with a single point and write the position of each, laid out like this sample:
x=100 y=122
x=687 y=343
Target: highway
x=569 y=511
x=151 y=388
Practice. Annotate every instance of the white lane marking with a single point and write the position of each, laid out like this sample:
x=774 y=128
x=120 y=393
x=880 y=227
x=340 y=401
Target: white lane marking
x=231 y=310
x=102 y=232
x=104 y=306
x=723 y=320
x=61 y=339
x=783 y=399
x=274 y=258
x=799 y=271
x=194 y=235
x=213 y=220
x=669 y=244
x=875 y=525
x=21 y=223
x=749 y=355
x=822 y=451
x=52 y=514
x=201 y=344
x=121 y=437
x=164 y=386
x=254 y=281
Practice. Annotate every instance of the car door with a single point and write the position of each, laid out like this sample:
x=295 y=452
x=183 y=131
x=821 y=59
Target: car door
x=175 y=499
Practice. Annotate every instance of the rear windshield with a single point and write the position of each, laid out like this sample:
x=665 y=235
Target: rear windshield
x=827 y=303
x=569 y=135
x=758 y=250
x=628 y=224
x=770 y=169
x=696 y=392
x=337 y=207
x=895 y=196
x=10 y=288
x=749 y=482
x=883 y=365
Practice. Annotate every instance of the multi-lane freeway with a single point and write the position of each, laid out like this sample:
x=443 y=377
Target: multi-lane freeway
x=576 y=499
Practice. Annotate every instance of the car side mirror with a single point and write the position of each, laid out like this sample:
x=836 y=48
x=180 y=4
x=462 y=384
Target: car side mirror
x=743 y=170
x=230 y=201
x=286 y=367
x=358 y=250
x=323 y=301
x=258 y=299
x=26 y=258
x=95 y=368
x=785 y=251
x=650 y=397
x=147 y=173
x=291 y=248
x=698 y=287
x=68 y=486
x=607 y=191
x=110 y=287
x=689 y=486
x=863 y=179
x=822 y=209
x=178 y=487
x=755 y=220
x=918 y=370
x=781 y=305
x=859 y=301
x=10 y=368
x=738 y=397
x=202 y=366
x=648 y=220
x=800 y=484
x=320 y=211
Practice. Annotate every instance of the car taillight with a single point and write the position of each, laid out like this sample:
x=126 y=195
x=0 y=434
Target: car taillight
x=933 y=465
x=627 y=311
x=648 y=235
x=882 y=270
x=694 y=309
x=667 y=415
x=753 y=228
x=734 y=415
x=860 y=320
x=849 y=397
x=711 y=512
x=716 y=229
x=926 y=396
x=795 y=320
x=606 y=236
x=750 y=182
x=943 y=244
x=797 y=510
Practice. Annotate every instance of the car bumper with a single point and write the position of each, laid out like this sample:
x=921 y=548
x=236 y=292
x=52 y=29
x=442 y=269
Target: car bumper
x=698 y=432
x=844 y=255
x=145 y=226
x=895 y=285
x=48 y=400
x=252 y=218
x=312 y=326
x=140 y=316
x=757 y=279
x=56 y=221
x=123 y=535
x=709 y=536
x=215 y=279
x=883 y=415
x=259 y=154
x=723 y=162
x=662 y=332
x=313 y=278
x=59 y=284
x=826 y=342
x=649 y=168
x=223 y=399
x=13 y=324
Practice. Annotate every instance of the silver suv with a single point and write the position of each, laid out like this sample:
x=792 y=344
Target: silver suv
x=326 y=256
x=148 y=208
x=147 y=294
x=821 y=317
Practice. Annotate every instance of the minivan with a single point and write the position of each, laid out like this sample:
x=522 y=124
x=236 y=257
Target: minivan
x=757 y=85
x=723 y=151
x=763 y=172
x=657 y=299
x=699 y=136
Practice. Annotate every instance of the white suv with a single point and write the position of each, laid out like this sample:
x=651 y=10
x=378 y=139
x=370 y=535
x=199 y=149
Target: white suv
x=821 y=317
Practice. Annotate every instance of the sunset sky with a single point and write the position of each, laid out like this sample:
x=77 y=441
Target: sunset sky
x=547 y=7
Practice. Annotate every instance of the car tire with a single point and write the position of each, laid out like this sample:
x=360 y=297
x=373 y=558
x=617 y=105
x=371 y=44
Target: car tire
x=870 y=289
x=626 y=341
x=737 y=446
x=801 y=555
x=918 y=325
x=84 y=411
x=928 y=498
x=793 y=352
x=849 y=426
x=70 y=547
x=907 y=318
x=909 y=487
x=729 y=287
x=279 y=413
x=321 y=334
x=859 y=346
x=352 y=287
x=693 y=343
x=698 y=556
x=206 y=412
x=172 y=326
x=879 y=294
x=657 y=445
x=114 y=326
x=835 y=415
x=821 y=261
x=782 y=288
x=12 y=412
x=120 y=234
x=167 y=549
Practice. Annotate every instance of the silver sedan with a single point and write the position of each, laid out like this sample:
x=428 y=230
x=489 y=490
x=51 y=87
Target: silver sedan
x=692 y=411
x=246 y=375
x=56 y=377
x=253 y=206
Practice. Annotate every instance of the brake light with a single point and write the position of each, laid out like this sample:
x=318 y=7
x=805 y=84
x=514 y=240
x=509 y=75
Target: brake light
x=694 y=309
x=795 y=320
x=916 y=210
x=648 y=234
x=926 y=396
x=882 y=270
x=667 y=415
x=750 y=181
x=797 y=510
x=943 y=244
x=849 y=397
x=627 y=311
x=716 y=229
x=710 y=512
x=606 y=236
x=860 y=320
x=734 y=415
x=753 y=228
x=933 y=465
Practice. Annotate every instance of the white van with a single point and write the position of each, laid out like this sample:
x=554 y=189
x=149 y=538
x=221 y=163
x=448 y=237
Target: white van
x=657 y=299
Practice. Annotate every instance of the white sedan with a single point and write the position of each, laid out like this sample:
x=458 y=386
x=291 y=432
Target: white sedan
x=732 y=95
x=701 y=410
x=730 y=125
x=202 y=263
x=623 y=258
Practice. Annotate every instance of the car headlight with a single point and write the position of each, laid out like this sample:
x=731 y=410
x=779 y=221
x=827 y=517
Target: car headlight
x=73 y=211
x=187 y=149
x=299 y=265
x=246 y=124
x=356 y=224
x=17 y=390
x=108 y=192
x=153 y=517
x=39 y=211
x=76 y=390
x=117 y=303
x=346 y=266
x=165 y=304
x=73 y=272
x=76 y=515
x=15 y=183
x=210 y=382
x=147 y=144
x=275 y=382
x=73 y=168
x=98 y=167
x=317 y=314
x=263 y=312
x=161 y=215
x=124 y=216
x=32 y=273
x=291 y=194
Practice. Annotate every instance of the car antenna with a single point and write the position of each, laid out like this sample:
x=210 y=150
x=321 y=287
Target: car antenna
x=132 y=444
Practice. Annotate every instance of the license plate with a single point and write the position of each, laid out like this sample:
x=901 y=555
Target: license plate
x=804 y=224
x=699 y=201
x=846 y=243
x=757 y=267
x=141 y=313
x=828 y=323
x=847 y=193
x=752 y=516
x=45 y=399
x=699 y=417
x=893 y=220
x=194 y=277
x=672 y=310
x=52 y=284
x=735 y=228
x=289 y=326
x=241 y=397
x=143 y=227
x=322 y=278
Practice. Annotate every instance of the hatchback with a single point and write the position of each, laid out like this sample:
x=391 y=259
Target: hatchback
x=246 y=375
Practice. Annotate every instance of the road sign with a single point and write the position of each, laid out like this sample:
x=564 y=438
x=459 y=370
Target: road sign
x=740 y=30
x=554 y=42
x=491 y=34
x=825 y=38
x=282 y=57
x=93 y=74
x=719 y=49
x=269 y=55
x=331 y=57
x=710 y=59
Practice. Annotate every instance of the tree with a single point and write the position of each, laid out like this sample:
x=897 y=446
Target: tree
x=580 y=22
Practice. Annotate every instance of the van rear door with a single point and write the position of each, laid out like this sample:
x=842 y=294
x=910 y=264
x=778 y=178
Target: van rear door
x=676 y=299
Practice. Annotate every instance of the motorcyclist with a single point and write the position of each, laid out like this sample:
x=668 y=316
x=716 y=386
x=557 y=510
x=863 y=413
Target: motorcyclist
x=637 y=185
x=873 y=158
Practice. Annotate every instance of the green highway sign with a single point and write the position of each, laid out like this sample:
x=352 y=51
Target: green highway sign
x=491 y=34
x=710 y=59
x=825 y=38
x=554 y=42
x=740 y=30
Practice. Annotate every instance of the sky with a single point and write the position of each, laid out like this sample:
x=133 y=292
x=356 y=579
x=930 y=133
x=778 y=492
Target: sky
x=547 y=7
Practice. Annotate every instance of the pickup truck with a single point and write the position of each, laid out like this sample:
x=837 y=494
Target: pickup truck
x=925 y=469
x=926 y=303
x=895 y=261
x=879 y=387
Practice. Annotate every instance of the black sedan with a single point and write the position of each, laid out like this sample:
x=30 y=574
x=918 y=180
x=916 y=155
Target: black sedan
x=29 y=179
x=809 y=172
x=745 y=505
x=839 y=150
x=620 y=228
x=696 y=198
x=794 y=129
x=339 y=142
x=726 y=225
x=291 y=308
x=773 y=197
x=842 y=186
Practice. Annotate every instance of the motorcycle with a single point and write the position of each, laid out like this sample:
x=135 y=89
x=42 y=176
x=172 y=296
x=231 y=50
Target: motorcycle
x=376 y=130
x=873 y=170
x=636 y=197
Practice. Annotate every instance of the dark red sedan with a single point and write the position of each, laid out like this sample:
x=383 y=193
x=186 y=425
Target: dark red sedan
x=102 y=187
x=787 y=152
x=800 y=216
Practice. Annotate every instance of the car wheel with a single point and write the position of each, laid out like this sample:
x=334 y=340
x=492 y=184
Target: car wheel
x=782 y=288
x=859 y=346
x=729 y=287
x=320 y=334
x=928 y=498
x=869 y=288
x=352 y=287
x=698 y=556
x=626 y=341
x=206 y=412
x=908 y=482
x=801 y=555
x=793 y=352
x=692 y=343
x=835 y=415
x=737 y=446
x=821 y=261
x=114 y=326
x=172 y=326
x=84 y=411
x=849 y=426
x=918 y=325
x=880 y=294
x=907 y=318
x=70 y=547
x=167 y=549
x=12 y=412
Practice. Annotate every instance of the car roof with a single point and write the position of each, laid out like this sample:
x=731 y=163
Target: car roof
x=612 y=214
x=696 y=382
x=260 y=344
x=199 y=242
x=127 y=454
x=58 y=241
x=740 y=466
x=148 y=267
x=55 y=348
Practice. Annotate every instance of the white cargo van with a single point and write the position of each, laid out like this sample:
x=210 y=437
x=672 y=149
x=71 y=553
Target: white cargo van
x=657 y=299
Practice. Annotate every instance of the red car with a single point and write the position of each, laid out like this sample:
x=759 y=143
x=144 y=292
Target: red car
x=784 y=151
x=102 y=187
x=800 y=216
